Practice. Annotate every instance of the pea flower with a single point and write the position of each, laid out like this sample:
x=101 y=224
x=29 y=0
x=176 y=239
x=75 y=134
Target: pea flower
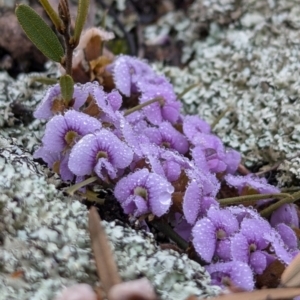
x=236 y=272
x=248 y=244
x=53 y=103
x=127 y=71
x=166 y=135
x=64 y=131
x=209 y=231
x=144 y=192
x=258 y=184
x=101 y=152
x=199 y=195
x=286 y=214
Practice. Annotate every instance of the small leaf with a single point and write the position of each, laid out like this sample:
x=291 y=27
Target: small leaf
x=291 y=275
x=67 y=87
x=41 y=35
x=53 y=15
x=82 y=12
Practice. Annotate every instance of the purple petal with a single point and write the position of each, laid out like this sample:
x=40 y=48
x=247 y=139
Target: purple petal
x=223 y=249
x=278 y=246
x=199 y=158
x=254 y=230
x=115 y=100
x=119 y=155
x=288 y=235
x=192 y=125
x=126 y=185
x=64 y=170
x=287 y=214
x=49 y=157
x=240 y=248
x=191 y=202
x=140 y=206
x=160 y=194
x=223 y=219
x=232 y=160
x=257 y=183
x=204 y=239
x=172 y=170
x=238 y=272
x=103 y=166
x=44 y=111
x=122 y=76
x=258 y=262
x=59 y=126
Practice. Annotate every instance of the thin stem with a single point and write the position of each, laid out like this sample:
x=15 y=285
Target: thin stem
x=189 y=88
x=64 y=13
x=72 y=189
x=140 y=106
x=217 y=120
x=291 y=199
x=92 y=197
x=252 y=198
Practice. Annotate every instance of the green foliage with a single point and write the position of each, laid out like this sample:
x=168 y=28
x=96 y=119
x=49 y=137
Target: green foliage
x=67 y=87
x=41 y=35
x=82 y=12
x=53 y=15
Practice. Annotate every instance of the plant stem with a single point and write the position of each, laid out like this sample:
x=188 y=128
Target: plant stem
x=252 y=198
x=140 y=106
x=291 y=199
x=72 y=189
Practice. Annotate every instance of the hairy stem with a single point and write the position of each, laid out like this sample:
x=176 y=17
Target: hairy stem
x=140 y=106
x=252 y=198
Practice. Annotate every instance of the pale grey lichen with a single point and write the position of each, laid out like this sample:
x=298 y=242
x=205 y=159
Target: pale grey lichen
x=43 y=235
x=250 y=66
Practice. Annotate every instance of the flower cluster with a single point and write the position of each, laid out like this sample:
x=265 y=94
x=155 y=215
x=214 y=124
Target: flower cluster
x=164 y=163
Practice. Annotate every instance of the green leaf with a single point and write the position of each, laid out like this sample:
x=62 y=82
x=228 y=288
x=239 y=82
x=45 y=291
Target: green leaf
x=82 y=12
x=53 y=15
x=41 y=35
x=67 y=87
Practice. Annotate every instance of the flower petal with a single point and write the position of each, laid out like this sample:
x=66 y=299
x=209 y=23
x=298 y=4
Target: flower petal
x=204 y=238
x=191 y=202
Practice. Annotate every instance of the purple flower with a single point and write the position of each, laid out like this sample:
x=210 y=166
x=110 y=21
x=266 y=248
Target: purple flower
x=288 y=236
x=235 y=272
x=53 y=98
x=193 y=125
x=157 y=112
x=200 y=194
x=102 y=153
x=165 y=162
x=218 y=224
x=127 y=71
x=278 y=246
x=214 y=151
x=55 y=161
x=166 y=135
x=143 y=192
x=108 y=103
x=64 y=131
x=247 y=245
x=260 y=185
x=287 y=214
x=232 y=160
